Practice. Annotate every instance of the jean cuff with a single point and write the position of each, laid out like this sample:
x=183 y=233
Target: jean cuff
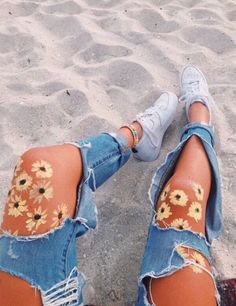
x=125 y=150
x=202 y=129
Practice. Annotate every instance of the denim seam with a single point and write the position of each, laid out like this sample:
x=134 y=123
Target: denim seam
x=101 y=162
x=65 y=251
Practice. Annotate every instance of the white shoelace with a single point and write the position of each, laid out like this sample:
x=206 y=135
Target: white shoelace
x=192 y=89
x=150 y=112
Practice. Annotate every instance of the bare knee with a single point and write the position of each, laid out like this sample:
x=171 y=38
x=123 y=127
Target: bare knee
x=40 y=197
x=182 y=205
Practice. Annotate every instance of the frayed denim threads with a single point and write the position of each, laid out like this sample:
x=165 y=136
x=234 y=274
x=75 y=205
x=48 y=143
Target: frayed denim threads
x=49 y=261
x=160 y=256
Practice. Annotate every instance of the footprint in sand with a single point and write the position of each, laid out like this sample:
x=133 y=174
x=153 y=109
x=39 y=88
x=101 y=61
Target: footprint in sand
x=31 y=121
x=213 y=39
x=49 y=88
x=104 y=3
x=232 y=15
x=74 y=103
x=21 y=9
x=65 y=8
x=129 y=75
x=91 y=125
x=98 y=53
x=36 y=75
x=20 y=43
x=154 y=22
x=60 y=26
x=21 y=88
x=189 y=3
x=73 y=44
x=204 y=15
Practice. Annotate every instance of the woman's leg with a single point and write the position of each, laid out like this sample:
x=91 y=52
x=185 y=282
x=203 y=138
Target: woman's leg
x=42 y=194
x=183 y=205
x=45 y=181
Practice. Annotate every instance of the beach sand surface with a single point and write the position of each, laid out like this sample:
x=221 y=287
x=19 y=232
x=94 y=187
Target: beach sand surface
x=74 y=68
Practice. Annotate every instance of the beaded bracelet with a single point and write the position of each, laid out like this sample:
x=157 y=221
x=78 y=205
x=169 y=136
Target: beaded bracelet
x=133 y=131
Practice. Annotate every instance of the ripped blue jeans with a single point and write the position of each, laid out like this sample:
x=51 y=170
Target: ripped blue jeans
x=49 y=261
x=160 y=256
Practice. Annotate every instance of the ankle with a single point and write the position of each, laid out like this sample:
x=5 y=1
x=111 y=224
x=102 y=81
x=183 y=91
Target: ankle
x=198 y=112
x=127 y=133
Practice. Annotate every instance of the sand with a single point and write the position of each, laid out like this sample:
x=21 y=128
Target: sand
x=74 y=68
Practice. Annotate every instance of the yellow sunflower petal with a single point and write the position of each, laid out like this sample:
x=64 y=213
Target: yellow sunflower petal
x=195 y=211
x=163 y=211
x=40 y=191
x=196 y=269
x=59 y=215
x=165 y=192
x=17 y=206
x=182 y=251
x=199 y=191
x=42 y=169
x=180 y=224
x=23 y=181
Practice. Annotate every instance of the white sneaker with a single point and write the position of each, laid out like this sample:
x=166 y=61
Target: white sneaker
x=155 y=121
x=193 y=86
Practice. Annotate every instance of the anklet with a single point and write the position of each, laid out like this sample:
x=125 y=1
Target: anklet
x=133 y=131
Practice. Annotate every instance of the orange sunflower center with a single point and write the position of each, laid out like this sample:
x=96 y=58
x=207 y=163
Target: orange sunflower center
x=37 y=217
x=22 y=182
x=16 y=204
x=41 y=190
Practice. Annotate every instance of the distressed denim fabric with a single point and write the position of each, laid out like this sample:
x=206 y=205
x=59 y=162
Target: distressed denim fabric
x=49 y=261
x=160 y=255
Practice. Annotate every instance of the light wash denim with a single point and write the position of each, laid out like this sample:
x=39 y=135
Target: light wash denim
x=48 y=261
x=160 y=256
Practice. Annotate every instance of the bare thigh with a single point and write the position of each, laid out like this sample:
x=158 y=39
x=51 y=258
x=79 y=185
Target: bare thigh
x=43 y=192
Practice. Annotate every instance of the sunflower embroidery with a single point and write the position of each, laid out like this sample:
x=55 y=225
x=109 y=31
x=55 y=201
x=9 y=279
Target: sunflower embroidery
x=163 y=212
x=199 y=191
x=178 y=197
x=165 y=192
x=182 y=251
x=199 y=259
x=42 y=169
x=180 y=224
x=40 y=191
x=36 y=219
x=195 y=211
x=59 y=215
x=17 y=206
x=23 y=181
x=18 y=165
